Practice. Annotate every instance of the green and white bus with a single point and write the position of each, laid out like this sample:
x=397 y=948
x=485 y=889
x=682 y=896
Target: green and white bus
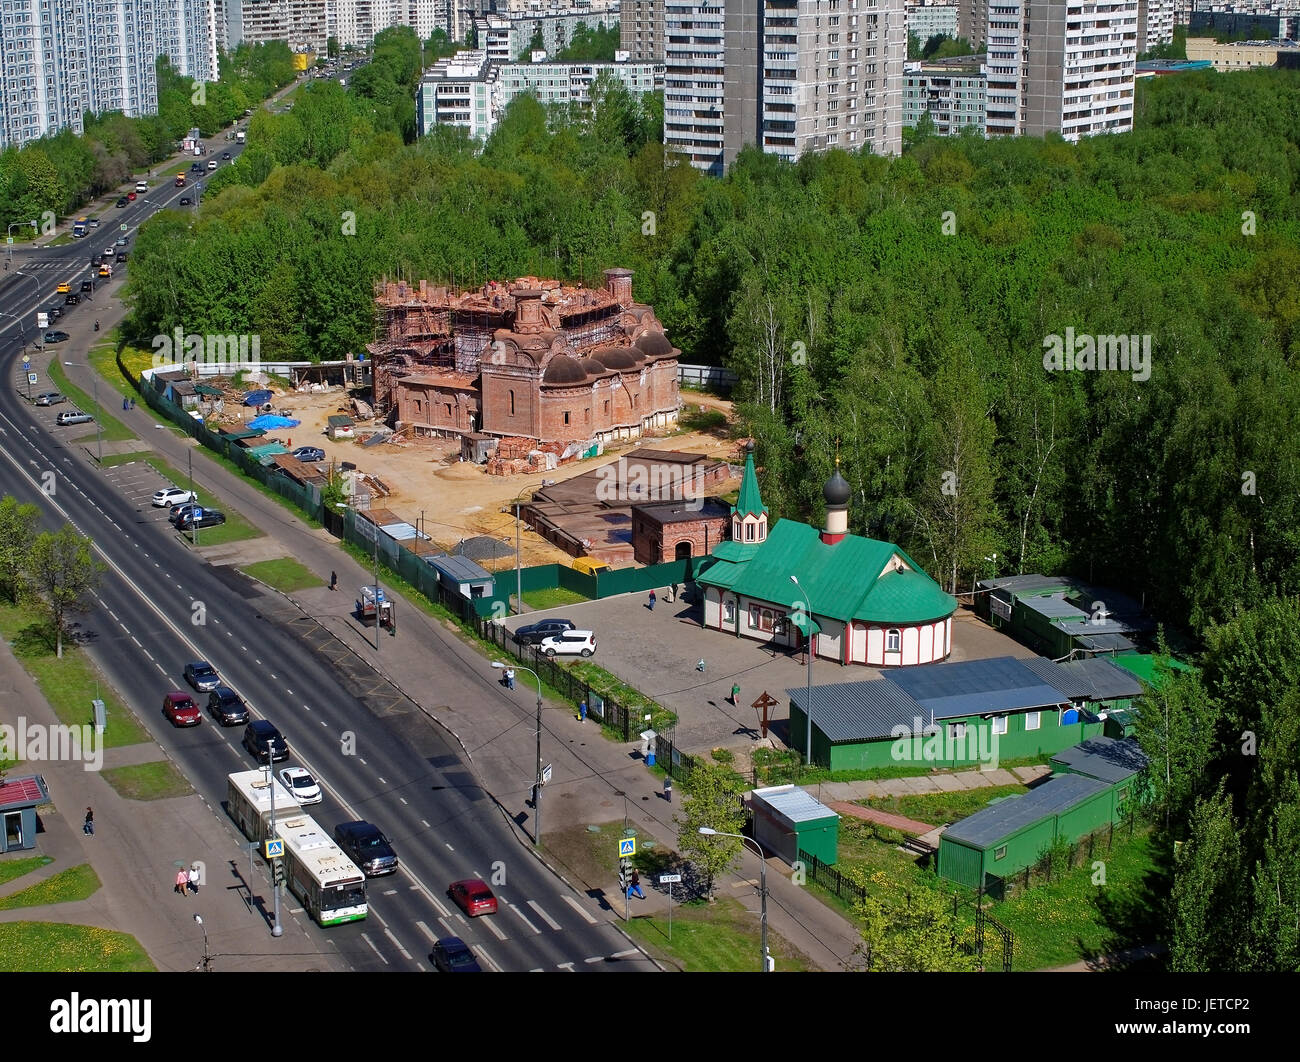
x=318 y=872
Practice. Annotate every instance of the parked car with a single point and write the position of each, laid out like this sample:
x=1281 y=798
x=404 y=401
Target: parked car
x=186 y=200
x=71 y=299
x=309 y=453
x=570 y=643
x=179 y=509
x=130 y=196
x=263 y=740
x=535 y=632
x=56 y=337
x=473 y=897
x=49 y=398
x=301 y=785
x=73 y=416
x=180 y=708
x=200 y=518
x=93 y=223
x=453 y=955
x=227 y=706
x=171 y=496
x=366 y=845
x=55 y=312
x=122 y=202
x=202 y=676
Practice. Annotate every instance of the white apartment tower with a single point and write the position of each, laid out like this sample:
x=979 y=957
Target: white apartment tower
x=789 y=75
x=1063 y=66
x=1155 y=24
x=641 y=30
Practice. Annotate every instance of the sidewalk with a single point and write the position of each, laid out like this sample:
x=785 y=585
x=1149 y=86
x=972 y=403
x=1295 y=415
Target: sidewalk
x=136 y=850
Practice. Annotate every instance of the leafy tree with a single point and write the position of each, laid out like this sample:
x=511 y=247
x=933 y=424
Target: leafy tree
x=18 y=527
x=536 y=43
x=913 y=933
x=332 y=47
x=591 y=45
x=715 y=802
x=1177 y=729
x=1209 y=891
x=61 y=572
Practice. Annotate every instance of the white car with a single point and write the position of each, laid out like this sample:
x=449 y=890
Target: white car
x=568 y=643
x=170 y=496
x=301 y=785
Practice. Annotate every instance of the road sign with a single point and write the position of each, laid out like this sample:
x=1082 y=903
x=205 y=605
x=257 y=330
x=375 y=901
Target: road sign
x=626 y=847
x=26 y=361
x=9 y=239
x=546 y=774
x=123 y=226
x=274 y=849
x=669 y=879
x=32 y=377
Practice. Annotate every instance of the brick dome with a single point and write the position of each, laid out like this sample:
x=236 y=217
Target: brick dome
x=654 y=344
x=616 y=358
x=564 y=370
x=592 y=367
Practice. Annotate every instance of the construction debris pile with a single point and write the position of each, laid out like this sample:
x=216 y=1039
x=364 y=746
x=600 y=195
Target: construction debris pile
x=515 y=454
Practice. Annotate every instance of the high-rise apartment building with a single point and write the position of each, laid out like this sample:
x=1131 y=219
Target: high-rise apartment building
x=62 y=58
x=929 y=20
x=788 y=75
x=641 y=30
x=1155 y=24
x=1062 y=66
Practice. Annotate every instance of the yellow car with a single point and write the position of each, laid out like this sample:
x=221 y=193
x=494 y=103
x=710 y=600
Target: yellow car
x=590 y=565
x=106 y=270
x=63 y=288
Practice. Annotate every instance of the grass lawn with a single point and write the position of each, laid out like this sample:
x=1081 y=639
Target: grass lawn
x=75 y=883
x=111 y=429
x=721 y=936
x=102 y=357
x=148 y=781
x=285 y=574
x=939 y=808
x=16 y=868
x=556 y=597
x=69 y=684
x=50 y=947
x=136 y=359
x=125 y=459
x=779 y=767
x=235 y=529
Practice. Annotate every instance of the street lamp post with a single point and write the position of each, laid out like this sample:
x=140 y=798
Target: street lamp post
x=537 y=783
x=808 y=707
x=207 y=955
x=768 y=965
x=519 y=576
x=277 y=930
x=9 y=247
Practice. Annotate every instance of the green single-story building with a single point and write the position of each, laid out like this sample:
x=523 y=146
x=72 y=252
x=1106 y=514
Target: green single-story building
x=1057 y=616
x=788 y=820
x=1096 y=778
x=943 y=715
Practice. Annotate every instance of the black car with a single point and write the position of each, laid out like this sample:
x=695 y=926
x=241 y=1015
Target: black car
x=367 y=847
x=535 y=632
x=227 y=706
x=202 y=676
x=262 y=739
x=56 y=337
x=196 y=167
x=122 y=256
x=55 y=312
x=71 y=299
x=186 y=200
x=200 y=518
x=225 y=155
x=453 y=955
x=122 y=202
x=87 y=285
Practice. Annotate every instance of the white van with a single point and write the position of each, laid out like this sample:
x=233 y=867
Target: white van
x=198 y=149
x=141 y=187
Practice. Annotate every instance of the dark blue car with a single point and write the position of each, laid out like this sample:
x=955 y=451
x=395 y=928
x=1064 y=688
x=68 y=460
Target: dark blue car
x=453 y=955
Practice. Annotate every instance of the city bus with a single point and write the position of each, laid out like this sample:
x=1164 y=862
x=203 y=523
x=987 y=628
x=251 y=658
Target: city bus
x=248 y=802
x=328 y=883
x=80 y=228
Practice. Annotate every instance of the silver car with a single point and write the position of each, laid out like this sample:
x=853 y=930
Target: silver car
x=49 y=398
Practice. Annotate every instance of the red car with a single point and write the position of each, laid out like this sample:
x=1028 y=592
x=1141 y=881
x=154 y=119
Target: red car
x=180 y=708
x=473 y=897
x=131 y=196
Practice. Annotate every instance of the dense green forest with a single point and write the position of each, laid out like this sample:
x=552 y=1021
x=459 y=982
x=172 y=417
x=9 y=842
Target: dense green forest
x=64 y=171
x=897 y=309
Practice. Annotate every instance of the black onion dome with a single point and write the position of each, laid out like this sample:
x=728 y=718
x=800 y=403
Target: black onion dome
x=837 y=490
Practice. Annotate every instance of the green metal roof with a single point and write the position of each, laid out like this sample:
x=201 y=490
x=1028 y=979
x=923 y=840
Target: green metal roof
x=721 y=573
x=1144 y=667
x=731 y=550
x=749 y=501
x=843 y=580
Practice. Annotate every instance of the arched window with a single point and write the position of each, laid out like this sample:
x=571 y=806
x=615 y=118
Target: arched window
x=893 y=641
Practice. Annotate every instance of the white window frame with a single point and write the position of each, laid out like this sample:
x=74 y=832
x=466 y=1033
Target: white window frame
x=1000 y=725
x=894 y=641
x=1033 y=720
x=957 y=731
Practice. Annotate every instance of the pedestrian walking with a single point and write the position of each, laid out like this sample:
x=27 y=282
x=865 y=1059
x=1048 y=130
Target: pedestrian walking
x=124 y=406
x=510 y=678
x=334 y=581
x=194 y=879
x=668 y=788
x=582 y=711
x=133 y=403
x=735 y=694
x=89 y=826
x=182 y=881
x=652 y=600
x=634 y=886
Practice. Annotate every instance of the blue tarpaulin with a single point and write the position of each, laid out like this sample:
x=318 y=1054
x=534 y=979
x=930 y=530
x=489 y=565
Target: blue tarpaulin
x=257 y=398
x=271 y=421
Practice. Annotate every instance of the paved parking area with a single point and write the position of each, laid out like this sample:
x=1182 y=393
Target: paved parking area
x=137 y=482
x=657 y=652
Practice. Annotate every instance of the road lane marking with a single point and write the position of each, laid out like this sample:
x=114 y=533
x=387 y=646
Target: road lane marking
x=487 y=958
x=426 y=931
x=523 y=918
x=497 y=932
x=545 y=917
x=398 y=945
x=367 y=939
x=626 y=954
x=595 y=958
x=580 y=909
x=566 y=966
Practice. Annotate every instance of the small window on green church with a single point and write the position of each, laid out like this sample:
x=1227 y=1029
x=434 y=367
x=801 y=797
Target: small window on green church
x=1000 y=853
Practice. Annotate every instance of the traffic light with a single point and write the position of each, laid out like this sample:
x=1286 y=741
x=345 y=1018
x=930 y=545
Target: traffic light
x=277 y=871
x=622 y=874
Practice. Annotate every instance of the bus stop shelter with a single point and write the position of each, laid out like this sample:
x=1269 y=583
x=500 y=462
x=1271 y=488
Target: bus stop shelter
x=19 y=798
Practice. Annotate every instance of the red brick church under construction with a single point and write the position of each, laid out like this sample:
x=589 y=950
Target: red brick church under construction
x=532 y=359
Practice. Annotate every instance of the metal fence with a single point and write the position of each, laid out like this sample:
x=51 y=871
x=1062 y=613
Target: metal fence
x=1053 y=863
x=706 y=377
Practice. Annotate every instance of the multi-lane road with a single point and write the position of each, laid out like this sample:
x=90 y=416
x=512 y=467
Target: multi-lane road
x=377 y=755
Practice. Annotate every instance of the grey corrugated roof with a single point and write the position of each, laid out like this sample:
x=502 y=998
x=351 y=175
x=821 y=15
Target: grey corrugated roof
x=461 y=569
x=1025 y=583
x=988 y=828
x=860 y=711
x=795 y=804
x=1104 y=758
x=1104 y=643
x=975 y=687
x=1078 y=679
x=1055 y=607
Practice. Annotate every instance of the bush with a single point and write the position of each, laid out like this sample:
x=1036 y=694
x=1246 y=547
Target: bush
x=722 y=755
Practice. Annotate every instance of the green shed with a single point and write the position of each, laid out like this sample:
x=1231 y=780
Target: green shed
x=788 y=820
x=1013 y=833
